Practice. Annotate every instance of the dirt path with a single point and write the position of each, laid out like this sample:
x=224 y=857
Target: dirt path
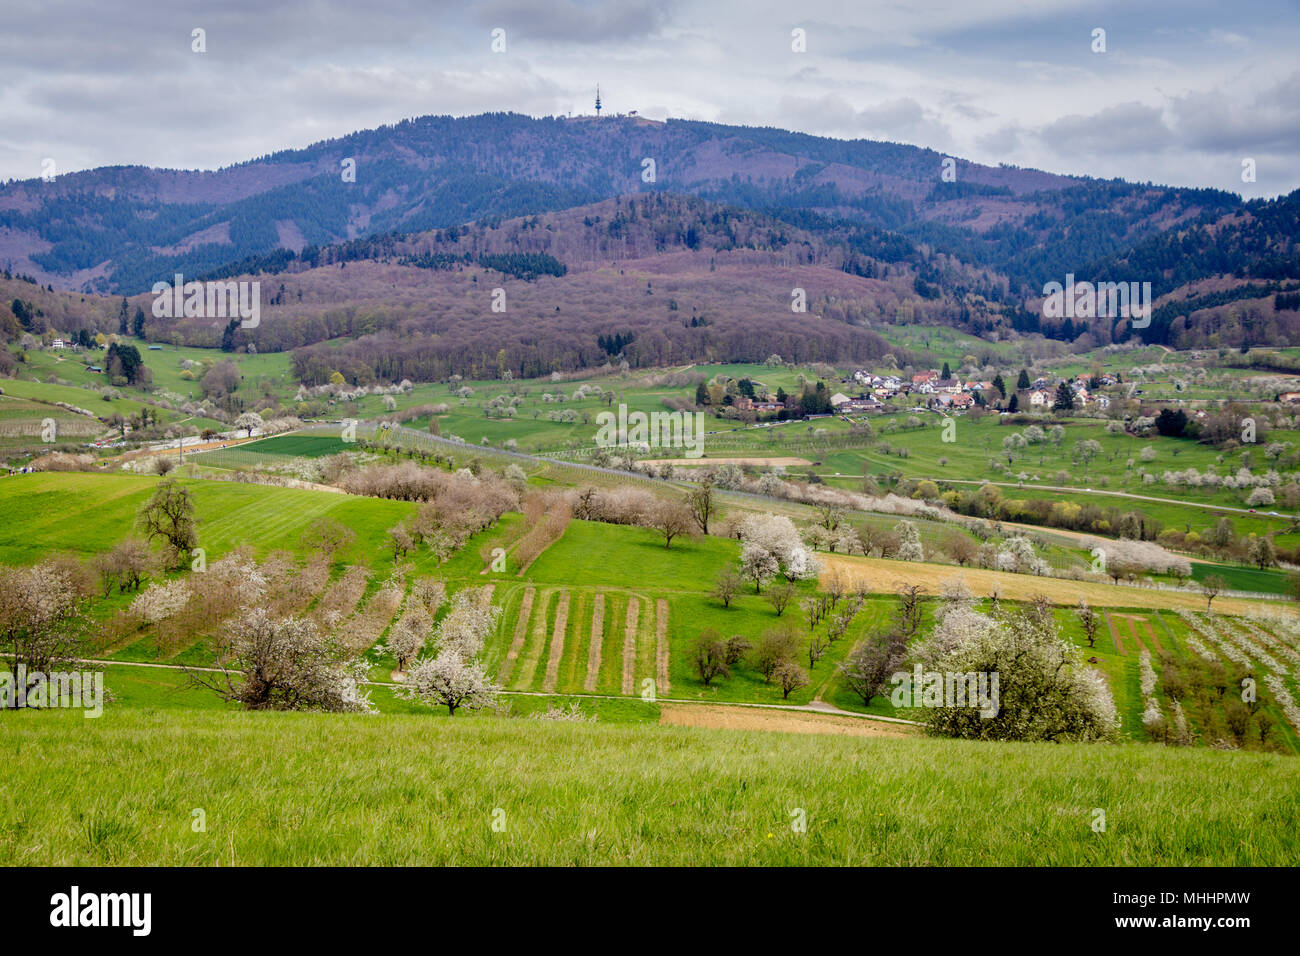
x=1151 y=634
x=557 y=643
x=720 y=717
x=629 y=645
x=528 y=661
x=521 y=632
x=597 y=636
x=758 y=461
x=820 y=696
x=1114 y=634
x=885 y=726
x=661 y=645
x=1133 y=631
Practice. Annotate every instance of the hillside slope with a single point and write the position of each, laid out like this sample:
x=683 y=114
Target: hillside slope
x=122 y=790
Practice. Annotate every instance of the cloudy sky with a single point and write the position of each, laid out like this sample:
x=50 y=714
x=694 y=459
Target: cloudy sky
x=1183 y=93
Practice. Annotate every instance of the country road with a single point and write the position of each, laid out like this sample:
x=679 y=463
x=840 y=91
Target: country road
x=1095 y=491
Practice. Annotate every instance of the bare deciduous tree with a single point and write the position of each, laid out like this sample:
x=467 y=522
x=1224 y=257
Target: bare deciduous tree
x=789 y=677
x=671 y=519
x=169 y=515
x=1211 y=587
x=709 y=655
x=1089 y=621
x=726 y=586
x=702 y=504
x=867 y=669
x=780 y=595
x=328 y=537
x=400 y=538
x=909 y=609
x=818 y=645
x=776 y=645
x=737 y=647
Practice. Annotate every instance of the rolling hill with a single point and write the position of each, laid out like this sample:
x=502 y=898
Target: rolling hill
x=738 y=217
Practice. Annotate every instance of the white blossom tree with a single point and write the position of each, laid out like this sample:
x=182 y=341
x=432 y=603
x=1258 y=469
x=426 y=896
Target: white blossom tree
x=776 y=536
x=248 y=421
x=454 y=678
x=408 y=636
x=467 y=625
x=909 y=542
x=1045 y=689
x=38 y=614
x=161 y=601
x=285 y=664
x=450 y=681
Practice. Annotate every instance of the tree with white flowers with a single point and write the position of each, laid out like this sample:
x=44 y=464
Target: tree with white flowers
x=454 y=678
x=38 y=614
x=776 y=537
x=468 y=623
x=248 y=422
x=1017 y=554
x=408 y=635
x=161 y=601
x=909 y=542
x=1046 y=691
x=285 y=663
x=451 y=681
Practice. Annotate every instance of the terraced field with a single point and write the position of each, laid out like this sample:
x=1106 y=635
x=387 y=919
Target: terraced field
x=583 y=640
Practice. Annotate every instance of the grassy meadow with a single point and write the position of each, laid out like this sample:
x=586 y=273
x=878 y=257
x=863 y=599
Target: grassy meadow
x=168 y=787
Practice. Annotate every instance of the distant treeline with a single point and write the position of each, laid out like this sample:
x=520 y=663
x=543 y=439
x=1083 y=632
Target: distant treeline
x=497 y=344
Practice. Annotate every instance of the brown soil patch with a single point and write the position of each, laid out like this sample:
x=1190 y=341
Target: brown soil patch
x=528 y=663
x=557 y=643
x=597 y=636
x=1114 y=634
x=789 y=722
x=521 y=631
x=661 y=645
x=629 y=645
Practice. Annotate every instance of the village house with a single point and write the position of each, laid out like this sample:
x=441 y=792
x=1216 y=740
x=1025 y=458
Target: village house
x=860 y=404
x=1042 y=398
x=947 y=401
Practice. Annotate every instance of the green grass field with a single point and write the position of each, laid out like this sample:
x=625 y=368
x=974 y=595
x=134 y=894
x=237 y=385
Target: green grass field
x=124 y=790
x=84 y=514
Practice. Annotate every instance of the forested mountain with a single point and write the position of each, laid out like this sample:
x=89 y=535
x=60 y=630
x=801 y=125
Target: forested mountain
x=874 y=231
